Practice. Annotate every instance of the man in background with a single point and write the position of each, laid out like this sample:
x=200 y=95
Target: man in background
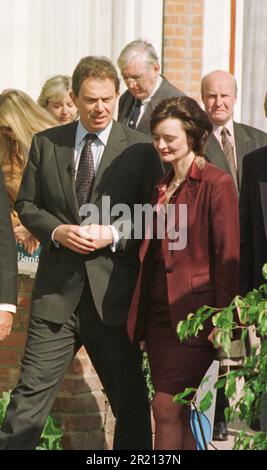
x=229 y=141
x=226 y=147
x=253 y=233
x=140 y=70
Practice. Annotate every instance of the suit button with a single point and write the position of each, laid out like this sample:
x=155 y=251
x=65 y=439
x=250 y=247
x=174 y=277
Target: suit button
x=168 y=270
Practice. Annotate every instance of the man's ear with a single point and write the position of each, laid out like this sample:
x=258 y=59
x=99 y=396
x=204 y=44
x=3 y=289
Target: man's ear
x=156 y=67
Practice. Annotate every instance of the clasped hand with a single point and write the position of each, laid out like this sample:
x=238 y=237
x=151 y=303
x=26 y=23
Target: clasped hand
x=84 y=239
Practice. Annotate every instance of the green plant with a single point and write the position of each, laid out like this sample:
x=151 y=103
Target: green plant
x=252 y=310
x=51 y=435
x=147 y=374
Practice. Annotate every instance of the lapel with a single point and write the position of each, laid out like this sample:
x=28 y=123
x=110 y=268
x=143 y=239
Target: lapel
x=241 y=146
x=263 y=196
x=157 y=197
x=64 y=154
x=261 y=178
x=187 y=193
x=214 y=153
x=156 y=98
x=116 y=143
x=125 y=107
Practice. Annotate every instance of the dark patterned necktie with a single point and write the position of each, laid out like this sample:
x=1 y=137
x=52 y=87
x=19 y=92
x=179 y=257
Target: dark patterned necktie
x=229 y=154
x=135 y=114
x=86 y=171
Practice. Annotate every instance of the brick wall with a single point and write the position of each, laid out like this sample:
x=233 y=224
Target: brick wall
x=182 y=44
x=81 y=407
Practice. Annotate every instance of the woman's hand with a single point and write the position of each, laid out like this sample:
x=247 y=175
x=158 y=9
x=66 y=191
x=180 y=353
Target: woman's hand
x=142 y=345
x=26 y=239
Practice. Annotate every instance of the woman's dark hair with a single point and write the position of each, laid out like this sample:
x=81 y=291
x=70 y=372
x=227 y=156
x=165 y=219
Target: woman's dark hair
x=194 y=120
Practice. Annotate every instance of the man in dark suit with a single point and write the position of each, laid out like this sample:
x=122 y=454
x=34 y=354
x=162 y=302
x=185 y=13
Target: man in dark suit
x=86 y=275
x=226 y=147
x=253 y=232
x=219 y=95
x=140 y=69
x=253 y=220
x=8 y=266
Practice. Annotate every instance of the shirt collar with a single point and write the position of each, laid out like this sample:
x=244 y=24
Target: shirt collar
x=102 y=135
x=158 y=83
x=229 y=125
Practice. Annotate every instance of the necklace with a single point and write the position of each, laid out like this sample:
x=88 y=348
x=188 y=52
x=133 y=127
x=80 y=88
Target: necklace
x=174 y=185
x=171 y=190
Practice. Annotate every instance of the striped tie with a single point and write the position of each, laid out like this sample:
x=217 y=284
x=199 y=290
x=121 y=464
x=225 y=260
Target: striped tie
x=86 y=172
x=229 y=154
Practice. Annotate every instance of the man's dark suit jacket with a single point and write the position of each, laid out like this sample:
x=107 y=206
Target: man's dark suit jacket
x=8 y=253
x=247 y=139
x=253 y=220
x=126 y=102
x=128 y=170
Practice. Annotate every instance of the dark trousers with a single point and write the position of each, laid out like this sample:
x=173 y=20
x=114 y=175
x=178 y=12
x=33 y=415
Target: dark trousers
x=221 y=403
x=50 y=349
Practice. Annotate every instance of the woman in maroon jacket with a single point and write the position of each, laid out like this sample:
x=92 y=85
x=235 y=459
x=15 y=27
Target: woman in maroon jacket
x=195 y=263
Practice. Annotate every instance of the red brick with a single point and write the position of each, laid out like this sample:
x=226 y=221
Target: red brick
x=16 y=339
x=80 y=403
x=25 y=284
x=197 y=20
x=81 y=421
x=95 y=439
x=8 y=357
x=24 y=302
x=75 y=441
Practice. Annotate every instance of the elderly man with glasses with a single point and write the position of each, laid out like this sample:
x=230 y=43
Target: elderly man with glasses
x=140 y=70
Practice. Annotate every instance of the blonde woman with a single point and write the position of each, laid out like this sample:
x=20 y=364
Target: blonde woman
x=55 y=98
x=20 y=119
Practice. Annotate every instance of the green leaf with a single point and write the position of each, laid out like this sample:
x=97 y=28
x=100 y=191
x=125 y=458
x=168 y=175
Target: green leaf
x=230 y=388
x=180 y=397
x=182 y=329
x=206 y=402
x=220 y=383
x=264 y=271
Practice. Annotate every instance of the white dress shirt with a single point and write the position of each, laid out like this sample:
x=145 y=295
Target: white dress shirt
x=8 y=308
x=145 y=102
x=98 y=147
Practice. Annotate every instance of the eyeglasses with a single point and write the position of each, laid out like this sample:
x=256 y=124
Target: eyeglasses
x=136 y=78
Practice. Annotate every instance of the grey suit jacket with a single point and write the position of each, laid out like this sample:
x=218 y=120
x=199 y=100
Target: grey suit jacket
x=128 y=170
x=247 y=139
x=8 y=253
x=126 y=102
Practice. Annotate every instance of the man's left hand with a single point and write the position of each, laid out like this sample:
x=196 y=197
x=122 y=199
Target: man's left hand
x=6 y=320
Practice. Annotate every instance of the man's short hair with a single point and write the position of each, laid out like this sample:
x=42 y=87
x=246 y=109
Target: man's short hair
x=98 y=68
x=138 y=48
